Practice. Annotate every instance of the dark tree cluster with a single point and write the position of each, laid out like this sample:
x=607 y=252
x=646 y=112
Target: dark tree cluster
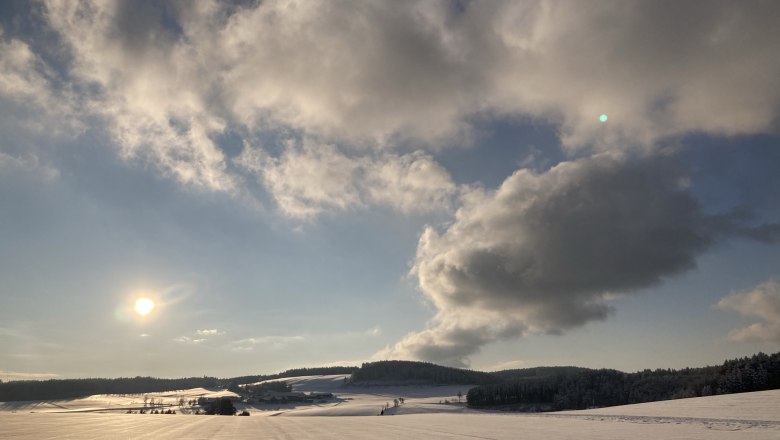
x=221 y=407
x=580 y=389
x=417 y=372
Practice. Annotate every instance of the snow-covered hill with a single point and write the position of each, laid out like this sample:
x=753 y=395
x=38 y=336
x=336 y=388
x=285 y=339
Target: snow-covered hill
x=736 y=416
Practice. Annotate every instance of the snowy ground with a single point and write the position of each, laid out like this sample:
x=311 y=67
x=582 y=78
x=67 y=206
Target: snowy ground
x=368 y=401
x=738 y=416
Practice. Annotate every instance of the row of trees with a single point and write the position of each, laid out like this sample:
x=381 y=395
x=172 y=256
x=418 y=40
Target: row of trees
x=596 y=388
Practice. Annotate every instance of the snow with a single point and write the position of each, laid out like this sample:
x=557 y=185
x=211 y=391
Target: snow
x=747 y=406
x=737 y=416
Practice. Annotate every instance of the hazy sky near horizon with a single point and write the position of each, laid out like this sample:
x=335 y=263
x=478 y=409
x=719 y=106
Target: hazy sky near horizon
x=323 y=183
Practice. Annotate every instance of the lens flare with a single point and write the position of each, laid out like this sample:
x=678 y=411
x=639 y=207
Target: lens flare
x=144 y=306
x=603 y=118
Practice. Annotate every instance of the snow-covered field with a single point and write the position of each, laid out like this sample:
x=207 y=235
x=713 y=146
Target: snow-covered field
x=748 y=416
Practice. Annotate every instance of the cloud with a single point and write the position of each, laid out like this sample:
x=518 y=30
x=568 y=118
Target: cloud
x=13 y=375
x=422 y=70
x=28 y=164
x=454 y=335
x=147 y=84
x=763 y=302
x=651 y=66
x=204 y=333
x=33 y=104
x=188 y=340
x=169 y=80
x=374 y=331
x=547 y=252
x=272 y=342
x=210 y=332
x=310 y=178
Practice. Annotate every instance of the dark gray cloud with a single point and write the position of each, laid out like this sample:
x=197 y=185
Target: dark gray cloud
x=546 y=252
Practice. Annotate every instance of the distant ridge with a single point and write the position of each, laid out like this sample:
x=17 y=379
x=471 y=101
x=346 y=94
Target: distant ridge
x=529 y=389
x=70 y=388
x=412 y=372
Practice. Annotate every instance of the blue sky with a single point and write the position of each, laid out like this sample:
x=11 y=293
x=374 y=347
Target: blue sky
x=305 y=183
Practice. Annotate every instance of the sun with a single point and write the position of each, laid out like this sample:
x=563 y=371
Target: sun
x=144 y=306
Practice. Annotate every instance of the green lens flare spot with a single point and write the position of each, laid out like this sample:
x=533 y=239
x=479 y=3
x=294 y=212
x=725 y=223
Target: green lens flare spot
x=603 y=118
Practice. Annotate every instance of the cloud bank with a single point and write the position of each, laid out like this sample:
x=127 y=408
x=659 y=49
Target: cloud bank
x=169 y=80
x=544 y=253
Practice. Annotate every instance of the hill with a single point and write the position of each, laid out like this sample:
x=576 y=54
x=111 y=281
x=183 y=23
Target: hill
x=576 y=389
x=411 y=372
x=68 y=388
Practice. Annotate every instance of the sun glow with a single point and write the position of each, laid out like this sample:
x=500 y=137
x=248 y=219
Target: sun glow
x=144 y=306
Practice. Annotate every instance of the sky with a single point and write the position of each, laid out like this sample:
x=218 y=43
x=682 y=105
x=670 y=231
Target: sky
x=301 y=183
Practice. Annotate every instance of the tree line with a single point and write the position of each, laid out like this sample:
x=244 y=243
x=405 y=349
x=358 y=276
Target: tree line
x=581 y=389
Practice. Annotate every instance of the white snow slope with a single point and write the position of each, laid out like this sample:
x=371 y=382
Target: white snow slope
x=737 y=416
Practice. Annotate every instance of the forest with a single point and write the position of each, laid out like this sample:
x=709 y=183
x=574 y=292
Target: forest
x=581 y=389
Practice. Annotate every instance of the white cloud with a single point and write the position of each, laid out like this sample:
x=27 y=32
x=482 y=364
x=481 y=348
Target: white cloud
x=188 y=340
x=272 y=341
x=21 y=78
x=310 y=178
x=410 y=183
x=763 y=302
x=412 y=75
x=419 y=72
x=6 y=376
x=31 y=103
x=210 y=332
x=306 y=179
x=150 y=87
x=374 y=331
